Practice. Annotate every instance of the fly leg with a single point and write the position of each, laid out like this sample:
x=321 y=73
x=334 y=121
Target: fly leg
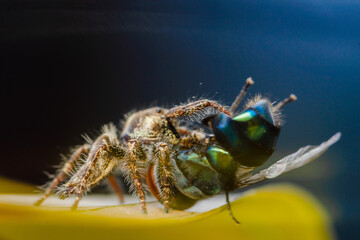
x=286 y=101
x=241 y=95
x=64 y=171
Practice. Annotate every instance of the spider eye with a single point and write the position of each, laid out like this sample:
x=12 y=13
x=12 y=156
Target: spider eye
x=158 y=110
x=250 y=137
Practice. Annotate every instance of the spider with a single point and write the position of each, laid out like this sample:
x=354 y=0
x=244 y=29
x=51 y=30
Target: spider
x=184 y=154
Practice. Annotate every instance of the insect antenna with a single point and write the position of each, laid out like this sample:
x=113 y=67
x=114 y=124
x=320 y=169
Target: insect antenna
x=286 y=101
x=241 y=95
x=229 y=208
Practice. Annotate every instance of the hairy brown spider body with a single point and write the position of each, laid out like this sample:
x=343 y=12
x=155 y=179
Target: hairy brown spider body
x=182 y=163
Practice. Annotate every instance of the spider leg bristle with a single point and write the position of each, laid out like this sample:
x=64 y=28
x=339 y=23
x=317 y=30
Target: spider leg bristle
x=65 y=170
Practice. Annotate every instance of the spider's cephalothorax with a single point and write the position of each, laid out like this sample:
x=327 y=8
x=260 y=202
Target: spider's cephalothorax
x=181 y=163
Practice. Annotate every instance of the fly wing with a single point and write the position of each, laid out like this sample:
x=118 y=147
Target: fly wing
x=303 y=156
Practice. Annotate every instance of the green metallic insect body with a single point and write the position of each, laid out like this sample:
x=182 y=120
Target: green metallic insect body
x=242 y=142
x=250 y=137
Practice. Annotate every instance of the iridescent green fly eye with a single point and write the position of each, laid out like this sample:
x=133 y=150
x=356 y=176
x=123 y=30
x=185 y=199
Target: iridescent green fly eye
x=250 y=137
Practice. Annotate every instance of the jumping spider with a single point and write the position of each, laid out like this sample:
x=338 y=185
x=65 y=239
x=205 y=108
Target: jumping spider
x=183 y=163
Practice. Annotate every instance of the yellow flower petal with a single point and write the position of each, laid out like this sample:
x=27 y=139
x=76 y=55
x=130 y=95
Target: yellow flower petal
x=272 y=212
x=10 y=186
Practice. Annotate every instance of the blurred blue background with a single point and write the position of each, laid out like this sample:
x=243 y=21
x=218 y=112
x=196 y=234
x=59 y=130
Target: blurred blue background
x=70 y=66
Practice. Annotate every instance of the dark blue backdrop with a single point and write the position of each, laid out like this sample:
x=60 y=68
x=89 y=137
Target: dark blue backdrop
x=70 y=66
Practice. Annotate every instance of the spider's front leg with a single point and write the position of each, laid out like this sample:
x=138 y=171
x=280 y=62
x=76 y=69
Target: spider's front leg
x=105 y=154
x=202 y=109
x=163 y=173
x=134 y=163
x=196 y=110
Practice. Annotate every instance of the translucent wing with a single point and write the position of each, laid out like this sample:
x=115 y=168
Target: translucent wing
x=303 y=156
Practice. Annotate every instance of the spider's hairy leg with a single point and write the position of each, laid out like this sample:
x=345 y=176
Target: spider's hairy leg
x=105 y=154
x=162 y=158
x=195 y=109
x=115 y=186
x=135 y=155
x=64 y=171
